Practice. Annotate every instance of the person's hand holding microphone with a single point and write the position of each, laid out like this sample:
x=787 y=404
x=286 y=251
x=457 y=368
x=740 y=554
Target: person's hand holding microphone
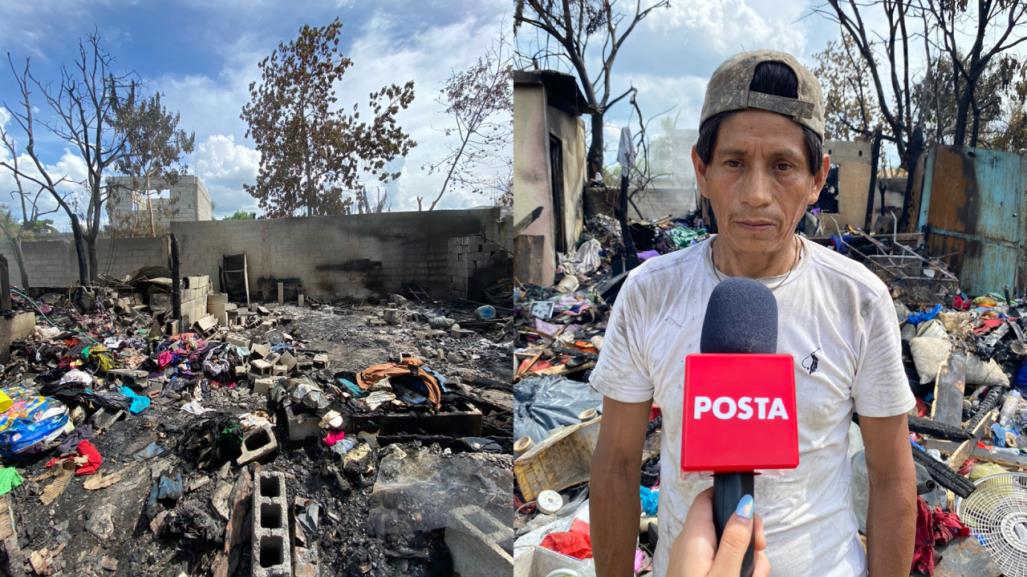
x=696 y=552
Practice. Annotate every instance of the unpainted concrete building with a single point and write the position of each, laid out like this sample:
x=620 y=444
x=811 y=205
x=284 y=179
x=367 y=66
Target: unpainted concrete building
x=854 y=167
x=187 y=201
x=549 y=171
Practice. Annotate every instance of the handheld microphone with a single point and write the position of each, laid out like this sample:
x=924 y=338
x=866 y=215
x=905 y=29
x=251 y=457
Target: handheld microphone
x=739 y=402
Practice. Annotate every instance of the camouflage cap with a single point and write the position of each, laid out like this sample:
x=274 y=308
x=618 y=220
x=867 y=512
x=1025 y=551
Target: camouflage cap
x=728 y=90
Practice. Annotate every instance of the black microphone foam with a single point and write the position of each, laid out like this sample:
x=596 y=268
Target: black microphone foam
x=741 y=317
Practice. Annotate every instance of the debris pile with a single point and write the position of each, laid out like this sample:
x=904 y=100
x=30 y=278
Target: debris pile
x=965 y=356
x=275 y=437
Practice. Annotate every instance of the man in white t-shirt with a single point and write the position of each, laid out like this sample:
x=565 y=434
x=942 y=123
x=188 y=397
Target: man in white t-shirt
x=759 y=161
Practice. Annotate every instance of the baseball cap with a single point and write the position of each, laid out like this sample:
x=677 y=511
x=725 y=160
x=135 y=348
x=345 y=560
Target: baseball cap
x=728 y=90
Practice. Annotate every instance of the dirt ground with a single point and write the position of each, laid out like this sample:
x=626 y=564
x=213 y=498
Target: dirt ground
x=108 y=531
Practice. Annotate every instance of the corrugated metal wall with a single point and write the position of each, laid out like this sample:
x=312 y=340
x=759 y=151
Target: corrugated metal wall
x=973 y=205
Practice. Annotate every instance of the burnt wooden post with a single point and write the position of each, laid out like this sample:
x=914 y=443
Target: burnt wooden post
x=5 y=286
x=176 y=285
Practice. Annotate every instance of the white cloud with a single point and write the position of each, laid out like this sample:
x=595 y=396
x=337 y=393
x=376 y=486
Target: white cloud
x=729 y=26
x=69 y=171
x=386 y=50
x=428 y=57
x=224 y=166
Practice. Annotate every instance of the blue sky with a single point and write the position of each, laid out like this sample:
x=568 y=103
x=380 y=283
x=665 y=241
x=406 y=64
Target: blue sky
x=202 y=56
x=670 y=56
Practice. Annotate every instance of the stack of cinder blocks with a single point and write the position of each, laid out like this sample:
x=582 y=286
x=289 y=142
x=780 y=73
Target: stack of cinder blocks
x=272 y=549
x=194 y=298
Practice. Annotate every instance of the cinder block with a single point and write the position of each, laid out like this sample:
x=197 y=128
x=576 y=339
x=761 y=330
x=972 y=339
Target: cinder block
x=235 y=339
x=190 y=282
x=263 y=385
x=301 y=426
x=271 y=553
x=257 y=444
x=480 y=544
x=260 y=367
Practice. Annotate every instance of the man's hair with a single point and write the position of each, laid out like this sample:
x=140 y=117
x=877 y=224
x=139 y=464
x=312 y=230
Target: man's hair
x=770 y=78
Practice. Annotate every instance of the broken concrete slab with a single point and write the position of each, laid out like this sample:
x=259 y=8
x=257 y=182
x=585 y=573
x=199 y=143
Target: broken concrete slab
x=305 y=559
x=966 y=558
x=100 y=522
x=219 y=499
x=418 y=490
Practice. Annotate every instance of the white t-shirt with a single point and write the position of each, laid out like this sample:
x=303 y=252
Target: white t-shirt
x=837 y=320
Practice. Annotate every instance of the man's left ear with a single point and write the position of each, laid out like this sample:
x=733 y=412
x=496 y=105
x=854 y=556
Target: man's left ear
x=819 y=179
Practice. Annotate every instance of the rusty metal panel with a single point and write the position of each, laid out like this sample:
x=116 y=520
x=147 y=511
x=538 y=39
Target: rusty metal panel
x=974 y=207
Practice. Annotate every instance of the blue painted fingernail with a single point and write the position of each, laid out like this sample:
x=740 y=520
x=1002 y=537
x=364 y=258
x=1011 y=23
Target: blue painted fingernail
x=744 y=508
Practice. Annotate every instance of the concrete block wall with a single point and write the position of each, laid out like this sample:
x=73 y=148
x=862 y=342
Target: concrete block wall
x=53 y=262
x=656 y=203
x=355 y=255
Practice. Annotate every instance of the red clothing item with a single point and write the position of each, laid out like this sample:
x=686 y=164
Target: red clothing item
x=933 y=529
x=575 y=543
x=84 y=449
x=334 y=437
x=87 y=450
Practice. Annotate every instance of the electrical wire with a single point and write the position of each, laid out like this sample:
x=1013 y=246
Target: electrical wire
x=39 y=310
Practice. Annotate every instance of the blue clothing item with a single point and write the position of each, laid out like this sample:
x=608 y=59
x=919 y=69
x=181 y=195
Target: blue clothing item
x=139 y=402
x=650 y=500
x=917 y=318
x=352 y=387
x=1020 y=380
x=999 y=434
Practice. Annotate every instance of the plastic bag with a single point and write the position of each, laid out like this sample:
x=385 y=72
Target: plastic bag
x=30 y=423
x=546 y=403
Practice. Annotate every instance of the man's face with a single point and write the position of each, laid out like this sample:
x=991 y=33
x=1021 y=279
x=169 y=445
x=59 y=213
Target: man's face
x=758 y=180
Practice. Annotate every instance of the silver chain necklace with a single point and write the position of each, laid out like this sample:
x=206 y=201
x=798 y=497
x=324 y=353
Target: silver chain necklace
x=798 y=257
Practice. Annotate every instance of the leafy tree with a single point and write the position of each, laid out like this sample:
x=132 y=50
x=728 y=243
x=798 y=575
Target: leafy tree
x=573 y=24
x=933 y=95
x=153 y=145
x=241 y=215
x=312 y=151
x=850 y=102
x=480 y=100
x=941 y=27
x=996 y=27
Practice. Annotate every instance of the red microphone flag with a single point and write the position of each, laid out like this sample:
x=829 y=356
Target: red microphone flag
x=739 y=413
